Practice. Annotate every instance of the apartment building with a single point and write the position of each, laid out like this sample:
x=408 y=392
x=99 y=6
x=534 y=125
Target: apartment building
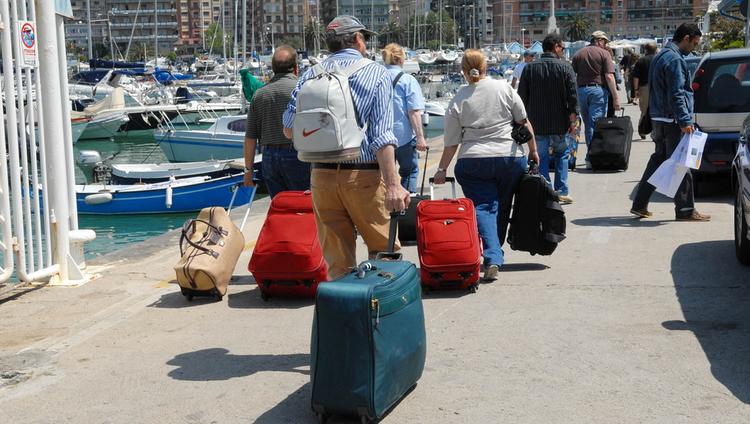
x=619 y=18
x=194 y=17
x=77 y=30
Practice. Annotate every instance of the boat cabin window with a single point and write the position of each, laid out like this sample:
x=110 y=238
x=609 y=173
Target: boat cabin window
x=238 y=125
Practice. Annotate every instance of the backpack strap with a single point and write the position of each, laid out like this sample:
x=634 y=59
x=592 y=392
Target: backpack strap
x=318 y=69
x=398 y=77
x=355 y=67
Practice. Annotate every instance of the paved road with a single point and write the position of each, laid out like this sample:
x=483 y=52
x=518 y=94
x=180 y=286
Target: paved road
x=628 y=322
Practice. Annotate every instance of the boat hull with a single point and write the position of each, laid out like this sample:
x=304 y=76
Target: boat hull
x=185 y=198
x=181 y=146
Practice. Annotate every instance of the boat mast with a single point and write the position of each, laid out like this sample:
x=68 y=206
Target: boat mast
x=156 y=35
x=88 y=24
x=252 y=27
x=244 y=30
x=224 y=38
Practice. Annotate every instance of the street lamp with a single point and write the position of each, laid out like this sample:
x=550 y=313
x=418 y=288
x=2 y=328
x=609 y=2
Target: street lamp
x=273 y=44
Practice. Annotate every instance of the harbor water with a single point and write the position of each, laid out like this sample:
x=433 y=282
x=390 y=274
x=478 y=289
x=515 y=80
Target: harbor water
x=117 y=231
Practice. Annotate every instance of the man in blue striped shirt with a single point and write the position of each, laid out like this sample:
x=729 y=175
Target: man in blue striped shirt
x=358 y=194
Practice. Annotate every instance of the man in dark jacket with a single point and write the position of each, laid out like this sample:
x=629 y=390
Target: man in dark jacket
x=671 y=109
x=548 y=91
x=640 y=80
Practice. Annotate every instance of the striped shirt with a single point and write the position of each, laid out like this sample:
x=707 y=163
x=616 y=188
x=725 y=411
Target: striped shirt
x=372 y=92
x=267 y=107
x=548 y=90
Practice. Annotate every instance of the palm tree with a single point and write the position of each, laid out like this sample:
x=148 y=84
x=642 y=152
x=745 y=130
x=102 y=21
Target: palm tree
x=578 y=27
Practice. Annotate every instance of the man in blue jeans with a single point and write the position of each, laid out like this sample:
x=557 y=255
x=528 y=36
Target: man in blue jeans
x=594 y=68
x=280 y=168
x=548 y=91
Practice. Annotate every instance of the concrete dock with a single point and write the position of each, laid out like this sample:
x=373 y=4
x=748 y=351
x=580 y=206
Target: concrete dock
x=629 y=321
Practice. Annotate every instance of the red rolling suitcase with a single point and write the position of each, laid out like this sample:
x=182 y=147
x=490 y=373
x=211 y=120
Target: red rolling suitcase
x=448 y=242
x=287 y=260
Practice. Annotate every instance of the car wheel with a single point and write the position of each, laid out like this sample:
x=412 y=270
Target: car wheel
x=741 y=241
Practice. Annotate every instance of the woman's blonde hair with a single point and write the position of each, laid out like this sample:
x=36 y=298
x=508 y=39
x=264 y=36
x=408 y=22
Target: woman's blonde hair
x=474 y=65
x=393 y=54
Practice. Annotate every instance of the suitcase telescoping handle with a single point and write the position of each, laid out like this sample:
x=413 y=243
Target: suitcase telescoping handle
x=424 y=173
x=235 y=189
x=451 y=180
x=391 y=254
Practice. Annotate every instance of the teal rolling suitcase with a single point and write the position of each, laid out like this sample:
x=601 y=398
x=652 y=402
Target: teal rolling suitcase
x=368 y=338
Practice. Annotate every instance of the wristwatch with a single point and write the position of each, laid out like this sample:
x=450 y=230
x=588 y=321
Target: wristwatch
x=441 y=170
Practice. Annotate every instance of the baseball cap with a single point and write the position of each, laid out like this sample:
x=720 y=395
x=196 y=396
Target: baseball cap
x=599 y=34
x=529 y=53
x=347 y=24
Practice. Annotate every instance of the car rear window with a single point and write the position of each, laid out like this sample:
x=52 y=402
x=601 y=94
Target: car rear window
x=723 y=87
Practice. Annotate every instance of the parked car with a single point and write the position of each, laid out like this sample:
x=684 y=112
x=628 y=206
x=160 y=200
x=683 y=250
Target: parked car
x=692 y=63
x=741 y=186
x=722 y=101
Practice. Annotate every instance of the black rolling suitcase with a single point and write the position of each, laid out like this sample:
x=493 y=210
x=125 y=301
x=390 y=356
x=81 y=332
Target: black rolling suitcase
x=407 y=224
x=538 y=221
x=610 y=145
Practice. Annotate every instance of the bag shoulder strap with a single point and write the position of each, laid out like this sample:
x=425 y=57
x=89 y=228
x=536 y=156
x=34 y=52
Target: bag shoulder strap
x=356 y=67
x=398 y=77
x=318 y=69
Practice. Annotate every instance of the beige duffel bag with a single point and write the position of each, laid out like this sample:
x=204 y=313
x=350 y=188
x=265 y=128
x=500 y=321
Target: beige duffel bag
x=210 y=246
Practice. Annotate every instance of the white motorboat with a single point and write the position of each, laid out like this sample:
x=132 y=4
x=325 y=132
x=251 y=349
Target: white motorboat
x=225 y=139
x=411 y=66
x=447 y=56
x=433 y=117
x=97 y=126
x=426 y=57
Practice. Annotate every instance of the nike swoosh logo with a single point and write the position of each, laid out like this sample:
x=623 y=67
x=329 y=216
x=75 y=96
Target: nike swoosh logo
x=306 y=133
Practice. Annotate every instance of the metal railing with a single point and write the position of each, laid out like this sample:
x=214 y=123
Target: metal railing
x=37 y=213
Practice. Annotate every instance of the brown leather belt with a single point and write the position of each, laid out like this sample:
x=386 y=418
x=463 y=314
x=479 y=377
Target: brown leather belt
x=373 y=166
x=279 y=146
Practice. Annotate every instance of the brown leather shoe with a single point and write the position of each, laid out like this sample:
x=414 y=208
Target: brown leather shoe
x=695 y=217
x=641 y=213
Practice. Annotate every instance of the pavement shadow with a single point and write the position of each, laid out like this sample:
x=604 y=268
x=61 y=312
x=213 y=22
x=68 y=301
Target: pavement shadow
x=630 y=221
x=714 y=293
x=294 y=409
x=175 y=300
x=251 y=299
x=217 y=364
x=519 y=267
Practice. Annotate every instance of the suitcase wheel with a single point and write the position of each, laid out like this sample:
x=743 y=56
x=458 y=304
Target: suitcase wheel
x=218 y=297
x=188 y=295
x=474 y=288
x=366 y=420
x=426 y=290
x=264 y=296
x=322 y=418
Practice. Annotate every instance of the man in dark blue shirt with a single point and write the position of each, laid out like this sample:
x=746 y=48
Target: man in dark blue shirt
x=548 y=91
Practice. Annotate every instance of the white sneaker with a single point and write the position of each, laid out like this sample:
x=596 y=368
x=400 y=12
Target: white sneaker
x=490 y=273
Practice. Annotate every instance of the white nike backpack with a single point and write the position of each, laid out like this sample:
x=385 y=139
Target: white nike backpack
x=326 y=127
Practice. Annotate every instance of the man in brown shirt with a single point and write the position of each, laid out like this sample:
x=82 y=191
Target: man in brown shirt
x=594 y=68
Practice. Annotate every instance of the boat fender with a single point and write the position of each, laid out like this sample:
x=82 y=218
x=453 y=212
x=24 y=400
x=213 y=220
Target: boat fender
x=425 y=119
x=98 y=198
x=168 y=197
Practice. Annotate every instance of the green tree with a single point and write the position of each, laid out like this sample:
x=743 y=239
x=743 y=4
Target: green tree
x=725 y=33
x=577 y=27
x=393 y=33
x=292 y=41
x=429 y=28
x=310 y=29
x=214 y=34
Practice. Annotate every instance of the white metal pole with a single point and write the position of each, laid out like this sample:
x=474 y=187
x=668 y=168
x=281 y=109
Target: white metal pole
x=67 y=130
x=54 y=126
x=23 y=142
x=43 y=156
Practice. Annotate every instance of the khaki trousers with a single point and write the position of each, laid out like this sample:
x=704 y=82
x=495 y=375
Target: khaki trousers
x=345 y=200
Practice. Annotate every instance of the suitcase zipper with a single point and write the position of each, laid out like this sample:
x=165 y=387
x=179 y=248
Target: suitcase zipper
x=376 y=307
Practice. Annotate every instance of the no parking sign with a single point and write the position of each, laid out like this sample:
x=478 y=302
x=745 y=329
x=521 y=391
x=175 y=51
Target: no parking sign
x=27 y=43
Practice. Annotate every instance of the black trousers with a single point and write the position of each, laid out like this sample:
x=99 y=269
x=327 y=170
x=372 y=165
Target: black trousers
x=666 y=137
